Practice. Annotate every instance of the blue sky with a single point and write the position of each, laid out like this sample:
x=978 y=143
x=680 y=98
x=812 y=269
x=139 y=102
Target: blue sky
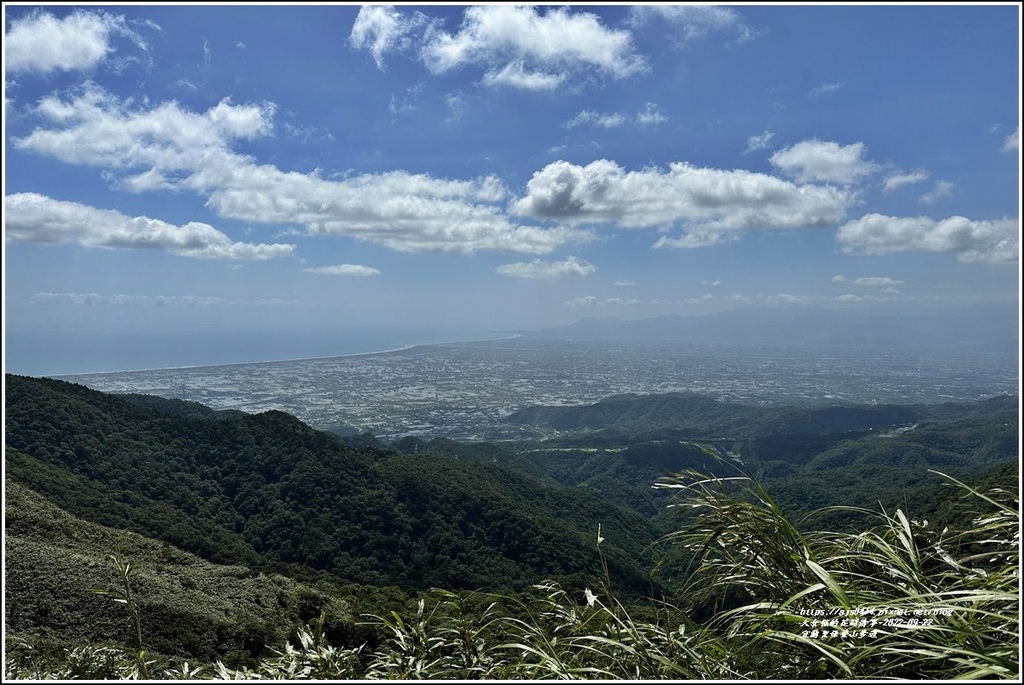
x=279 y=168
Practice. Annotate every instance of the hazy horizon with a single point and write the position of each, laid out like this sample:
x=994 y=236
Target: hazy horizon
x=68 y=353
x=298 y=172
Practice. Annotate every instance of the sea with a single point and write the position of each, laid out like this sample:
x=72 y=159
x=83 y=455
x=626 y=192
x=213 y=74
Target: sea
x=70 y=353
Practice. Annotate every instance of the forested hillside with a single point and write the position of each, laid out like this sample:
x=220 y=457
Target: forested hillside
x=371 y=527
x=270 y=492
x=691 y=415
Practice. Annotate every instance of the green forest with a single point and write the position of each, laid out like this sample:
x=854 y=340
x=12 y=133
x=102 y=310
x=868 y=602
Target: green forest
x=657 y=537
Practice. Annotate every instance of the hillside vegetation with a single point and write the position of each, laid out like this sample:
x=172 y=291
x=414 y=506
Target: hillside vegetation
x=897 y=600
x=54 y=562
x=268 y=492
x=256 y=546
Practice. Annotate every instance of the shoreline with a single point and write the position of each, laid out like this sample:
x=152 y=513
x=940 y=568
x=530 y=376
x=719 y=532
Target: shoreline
x=394 y=350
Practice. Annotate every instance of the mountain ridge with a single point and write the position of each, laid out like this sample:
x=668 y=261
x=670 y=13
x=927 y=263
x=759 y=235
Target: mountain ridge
x=984 y=326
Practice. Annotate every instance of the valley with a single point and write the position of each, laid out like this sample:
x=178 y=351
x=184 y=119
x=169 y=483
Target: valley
x=466 y=391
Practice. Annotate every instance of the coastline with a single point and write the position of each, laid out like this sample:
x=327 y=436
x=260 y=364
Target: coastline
x=288 y=360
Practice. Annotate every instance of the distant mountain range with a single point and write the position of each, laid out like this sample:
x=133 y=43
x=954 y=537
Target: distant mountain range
x=991 y=327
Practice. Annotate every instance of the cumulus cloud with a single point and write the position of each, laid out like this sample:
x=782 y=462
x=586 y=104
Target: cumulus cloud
x=940 y=190
x=898 y=180
x=823 y=161
x=710 y=205
x=405 y=212
x=624 y=284
x=1012 y=141
x=541 y=269
x=170 y=148
x=344 y=270
x=839 y=278
x=759 y=142
x=516 y=46
x=996 y=242
x=43 y=43
x=37 y=218
x=95 y=128
x=382 y=29
x=528 y=47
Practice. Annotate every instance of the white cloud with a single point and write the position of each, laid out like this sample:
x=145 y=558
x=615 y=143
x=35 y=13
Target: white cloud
x=121 y=300
x=759 y=142
x=185 y=84
x=37 y=218
x=851 y=298
x=524 y=46
x=589 y=116
x=823 y=161
x=940 y=190
x=408 y=102
x=517 y=75
x=649 y=117
x=694 y=21
x=458 y=104
x=876 y=281
x=711 y=283
x=402 y=211
x=585 y=301
x=839 y=278
x=825 y=89
x=169 y=148
x=898 y=180
x=785 y=298
x=96 y=129
x=40 y=42
x=995 y=242
x=382 y=29
x=344 y=270
x=710 y=205
x=624 y=284
x=541 y=269
x=307 y=134
x=1012 y=142
x=275 y=302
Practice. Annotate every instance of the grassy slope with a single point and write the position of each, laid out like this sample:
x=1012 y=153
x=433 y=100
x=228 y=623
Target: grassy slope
x=189 y=607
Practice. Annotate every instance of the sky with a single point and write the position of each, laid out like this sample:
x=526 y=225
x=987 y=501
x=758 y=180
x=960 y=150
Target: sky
x=201 y=170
